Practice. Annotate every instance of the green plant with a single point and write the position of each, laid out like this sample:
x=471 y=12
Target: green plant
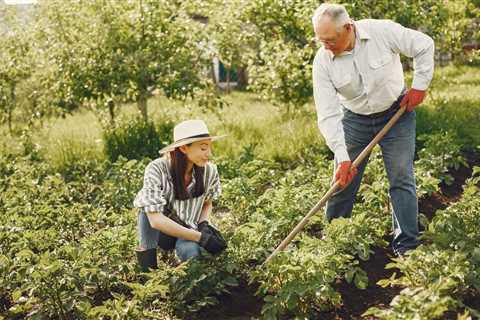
x=437 y=275
x=136 y=139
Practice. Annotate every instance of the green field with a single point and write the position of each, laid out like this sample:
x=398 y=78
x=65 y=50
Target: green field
x=68 y=230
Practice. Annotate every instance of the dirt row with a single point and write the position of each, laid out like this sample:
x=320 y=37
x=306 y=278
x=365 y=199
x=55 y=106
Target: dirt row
x=242 y=304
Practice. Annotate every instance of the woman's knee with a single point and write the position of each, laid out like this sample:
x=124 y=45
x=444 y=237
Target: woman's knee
x=187 y=249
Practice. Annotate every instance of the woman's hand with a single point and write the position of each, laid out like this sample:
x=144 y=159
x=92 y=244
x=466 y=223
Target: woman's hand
x=212 y=240
x=202 y=225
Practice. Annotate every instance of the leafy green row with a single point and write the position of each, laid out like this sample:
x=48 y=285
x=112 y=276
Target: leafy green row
x=438 y=275
x=67 y=242
x=67 y=248
x=291 y=281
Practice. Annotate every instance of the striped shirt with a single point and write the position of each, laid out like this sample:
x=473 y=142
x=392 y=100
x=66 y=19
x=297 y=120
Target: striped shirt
x=158 y=193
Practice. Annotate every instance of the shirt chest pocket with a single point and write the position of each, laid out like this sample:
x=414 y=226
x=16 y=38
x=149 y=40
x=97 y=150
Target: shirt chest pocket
x=346 y=86
x=381 y=68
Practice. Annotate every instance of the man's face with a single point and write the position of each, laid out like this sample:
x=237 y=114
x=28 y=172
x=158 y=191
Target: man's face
x=332 y=39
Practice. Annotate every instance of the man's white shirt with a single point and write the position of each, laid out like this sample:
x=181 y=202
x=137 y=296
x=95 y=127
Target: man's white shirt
x=369 y=78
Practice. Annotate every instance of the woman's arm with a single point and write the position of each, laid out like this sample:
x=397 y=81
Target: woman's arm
x=206 y=209
x=166 y=225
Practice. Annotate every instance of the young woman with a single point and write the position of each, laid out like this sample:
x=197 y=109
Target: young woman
x=176 y=198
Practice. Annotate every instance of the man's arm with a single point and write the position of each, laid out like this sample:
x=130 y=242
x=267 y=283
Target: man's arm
x=329 y=113
x=413 y=44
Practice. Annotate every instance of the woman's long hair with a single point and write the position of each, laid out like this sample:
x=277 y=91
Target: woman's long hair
x=178 y=168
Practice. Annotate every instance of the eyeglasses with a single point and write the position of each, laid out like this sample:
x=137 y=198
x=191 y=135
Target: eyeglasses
x=330 y=42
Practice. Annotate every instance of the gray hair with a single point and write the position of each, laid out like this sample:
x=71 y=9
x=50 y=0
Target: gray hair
x=336 y=12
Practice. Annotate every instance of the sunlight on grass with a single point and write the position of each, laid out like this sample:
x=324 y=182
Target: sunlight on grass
x=256 y=124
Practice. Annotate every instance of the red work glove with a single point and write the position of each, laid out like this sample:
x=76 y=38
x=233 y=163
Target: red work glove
x=345 y=173
x=412 y=98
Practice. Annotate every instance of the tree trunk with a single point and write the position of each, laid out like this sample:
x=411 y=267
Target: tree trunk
x=212 y=74
x=242 y=81
x=228 y=80
x=111 y=112
x=9 y=119
x=142 y=105
x=11 y=107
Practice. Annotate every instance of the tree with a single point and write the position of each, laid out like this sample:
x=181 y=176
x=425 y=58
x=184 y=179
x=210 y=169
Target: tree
x=15 y=67
x=283 y=45
x=229 y=38
x=281 y=67
x=107 y=51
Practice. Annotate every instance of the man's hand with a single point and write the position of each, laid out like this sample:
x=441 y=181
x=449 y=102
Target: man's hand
x=412 y=98
x=345 y=173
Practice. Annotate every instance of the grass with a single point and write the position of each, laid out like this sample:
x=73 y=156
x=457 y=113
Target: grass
x=248 y=122
x=65 y=141
x=453 y=104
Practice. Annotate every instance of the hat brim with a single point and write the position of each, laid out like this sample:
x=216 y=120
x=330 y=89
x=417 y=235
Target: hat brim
x=183 y=142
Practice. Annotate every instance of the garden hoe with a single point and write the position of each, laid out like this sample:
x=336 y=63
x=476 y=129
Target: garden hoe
x=336 y=185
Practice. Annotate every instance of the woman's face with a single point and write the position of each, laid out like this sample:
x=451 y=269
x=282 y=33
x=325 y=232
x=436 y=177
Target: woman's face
x=198 y=152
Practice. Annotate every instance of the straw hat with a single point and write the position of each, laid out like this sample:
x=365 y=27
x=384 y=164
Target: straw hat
x=187 y=132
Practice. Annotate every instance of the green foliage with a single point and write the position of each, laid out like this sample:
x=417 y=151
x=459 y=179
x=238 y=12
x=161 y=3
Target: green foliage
x=70 y=155
x=301 y=280
x=437 y=275
x=280 y=69
x=103 y=53
x=67 y=231
x=441 y=152
x=278 y=46
x=80 y=222
x=16 y=52
x=197 y=284
x=456 y=227
x=284 y=74
x=67 y=247
x=473 y=58
x=455 y=115
x=136 y=139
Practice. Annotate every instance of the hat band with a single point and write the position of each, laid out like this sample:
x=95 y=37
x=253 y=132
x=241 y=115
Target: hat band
x=204 y=135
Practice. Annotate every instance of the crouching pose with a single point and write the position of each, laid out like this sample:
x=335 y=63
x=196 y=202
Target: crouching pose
x=176 y=198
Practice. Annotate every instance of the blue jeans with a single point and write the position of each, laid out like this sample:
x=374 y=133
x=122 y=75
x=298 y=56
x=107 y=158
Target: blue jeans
x=150 y=238
x=398 y=149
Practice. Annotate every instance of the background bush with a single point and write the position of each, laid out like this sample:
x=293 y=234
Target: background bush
x=136 y=139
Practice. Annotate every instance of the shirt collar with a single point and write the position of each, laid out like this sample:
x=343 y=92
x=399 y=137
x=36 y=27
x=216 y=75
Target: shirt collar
x=361 y=34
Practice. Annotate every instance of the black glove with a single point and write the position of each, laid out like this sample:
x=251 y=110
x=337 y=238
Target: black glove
x=202 y=225
x=212 y=240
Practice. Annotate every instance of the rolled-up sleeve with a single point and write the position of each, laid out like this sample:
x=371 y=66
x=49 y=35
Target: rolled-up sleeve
x=151 y=197
x=214 y=189
x=413 y=44
x=329 y=113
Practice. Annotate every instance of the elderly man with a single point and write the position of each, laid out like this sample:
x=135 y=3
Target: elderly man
x=358 y=86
